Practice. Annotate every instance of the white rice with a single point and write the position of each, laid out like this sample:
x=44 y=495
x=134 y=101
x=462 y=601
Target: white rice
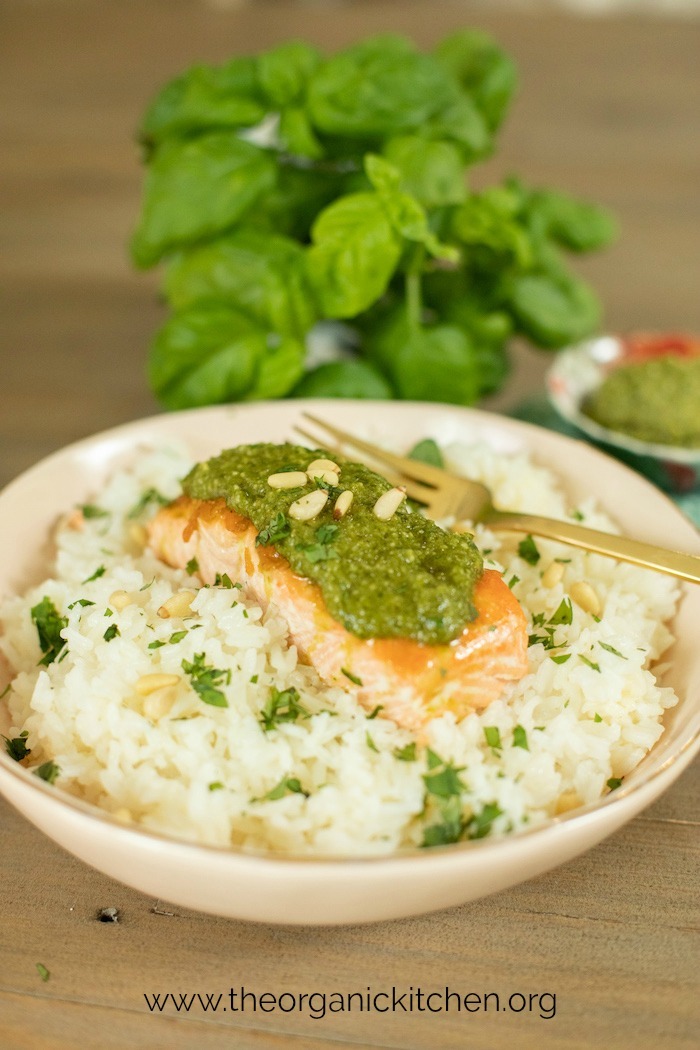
x=202 y=772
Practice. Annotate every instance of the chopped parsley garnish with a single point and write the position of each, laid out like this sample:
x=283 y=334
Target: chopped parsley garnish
x=100 y=571
x=591 y=663
x=561 y=658
x=513 y=580
x=597 y=717
x=109 y=612
x=176 y=637
x=42 y=971
x=192 y=567
x=427 y=451
x=286 y=786
x=147 y=497
x=374 y=712
x=91 y=511
x=407 y=753
x=49 y=623
x=17 y=747
x=480 y=824
x=528 y=551
x=254 y=679
x=546 y=639
x=216 y=785
x=493 y=737
x=614 y=782
x=6 y=690
x=205 y=680
x=316 y=552
x=612 y=649
x=564 y=613
x=282 y=706
x=49 y=771
x=155 y=645
x=370 y=743
x=111 y=632
x=353 y=677
x=442 y=778
x=224 y=580
x=444 y=788
x=277 y=529
x=578 y=515
x=321 y=550
x=332 y=490
x=83 y=602
x=451 y=827
x=326 y=533
x=520 y=738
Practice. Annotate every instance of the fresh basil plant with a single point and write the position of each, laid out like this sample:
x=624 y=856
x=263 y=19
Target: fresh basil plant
x=288 y=188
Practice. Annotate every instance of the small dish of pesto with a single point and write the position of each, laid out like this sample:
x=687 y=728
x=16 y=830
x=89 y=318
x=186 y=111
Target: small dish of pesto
x=637 y=397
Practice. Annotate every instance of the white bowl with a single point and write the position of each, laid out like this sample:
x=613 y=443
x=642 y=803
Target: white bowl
x=303 y=890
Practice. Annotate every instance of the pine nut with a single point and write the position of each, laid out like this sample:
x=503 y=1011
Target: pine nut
x=307 y=507
x=553 y=574
x=342 y=504
x=287 y=479
x=179 y=604
x=568 y=800
x=150 y=683
x=119 y=600
x=321 y=465
x=387 y=504
x=157 y=705
x=585 y=597
x=138 y=535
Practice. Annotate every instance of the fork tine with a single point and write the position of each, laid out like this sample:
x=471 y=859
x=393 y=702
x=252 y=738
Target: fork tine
x=414 y=489
x=420 y=472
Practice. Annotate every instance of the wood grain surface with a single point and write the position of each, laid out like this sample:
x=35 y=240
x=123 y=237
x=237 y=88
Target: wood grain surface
x=607 y=108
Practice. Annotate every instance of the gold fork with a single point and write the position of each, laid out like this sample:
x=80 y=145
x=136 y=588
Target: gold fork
x=446 y=495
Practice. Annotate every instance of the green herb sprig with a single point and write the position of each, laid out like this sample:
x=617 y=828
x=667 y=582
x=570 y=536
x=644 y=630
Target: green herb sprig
x=206 y=680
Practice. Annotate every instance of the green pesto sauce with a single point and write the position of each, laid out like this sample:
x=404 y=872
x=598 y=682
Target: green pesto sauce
x=402 y=578
x=656 y=400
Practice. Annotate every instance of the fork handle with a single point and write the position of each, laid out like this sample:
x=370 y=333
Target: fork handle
x=675 y=563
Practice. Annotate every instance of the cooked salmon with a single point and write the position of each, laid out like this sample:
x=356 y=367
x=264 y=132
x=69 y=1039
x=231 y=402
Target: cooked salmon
x=414 y=682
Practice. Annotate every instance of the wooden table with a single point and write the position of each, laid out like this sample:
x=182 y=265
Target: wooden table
x=607 y=108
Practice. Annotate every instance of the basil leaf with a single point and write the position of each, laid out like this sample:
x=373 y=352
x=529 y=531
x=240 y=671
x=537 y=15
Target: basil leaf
x=381 y=86
x=198 y=188
x=259 y=273
x=552 y=310
x=212 y=353
x=354 y=254
x=284 y=72
x=433 y=172
x=427 y=451
x=297 y=135
x=461 y=122
x=204 y=98
x=489 y=224
x=484 y=71
x=436 y=364
x=406 y=214
x=575 y=224
x=356 y=379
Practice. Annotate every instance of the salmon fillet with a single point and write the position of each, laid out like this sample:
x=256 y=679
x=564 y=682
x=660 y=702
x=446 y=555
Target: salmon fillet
x=414 y=682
